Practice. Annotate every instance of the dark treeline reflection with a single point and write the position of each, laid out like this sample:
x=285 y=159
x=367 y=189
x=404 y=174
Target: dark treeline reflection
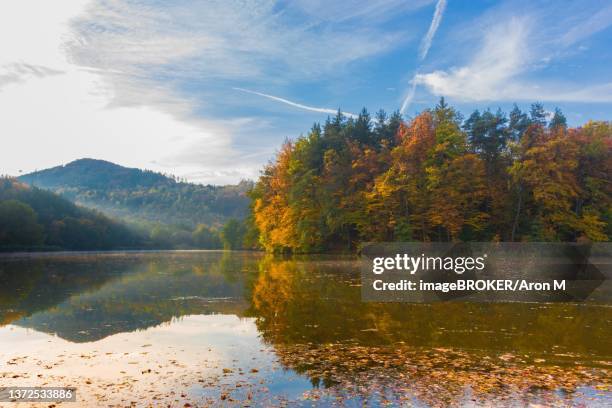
x=299 y=300
x=319 y=301
x=88 y=297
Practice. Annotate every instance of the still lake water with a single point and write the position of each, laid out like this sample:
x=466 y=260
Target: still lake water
x=237 y=328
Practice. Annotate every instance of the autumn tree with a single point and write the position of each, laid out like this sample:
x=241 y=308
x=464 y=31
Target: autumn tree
x=273 y=215
x=399 y=199
x=593 y=205
x=436 y=177
x=455 y=179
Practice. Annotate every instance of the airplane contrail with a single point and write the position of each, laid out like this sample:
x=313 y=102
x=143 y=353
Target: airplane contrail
x=409 y=95
x=424 y=49
x=433 y=27
x=295 y=104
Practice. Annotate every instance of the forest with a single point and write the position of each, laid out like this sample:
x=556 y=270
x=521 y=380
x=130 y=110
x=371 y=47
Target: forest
x=142 y=197
x=163 y=211
x=35 y=219
x=31 y=218
x=525 y=176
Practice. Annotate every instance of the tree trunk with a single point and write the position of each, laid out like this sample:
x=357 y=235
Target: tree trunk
x=517 y=215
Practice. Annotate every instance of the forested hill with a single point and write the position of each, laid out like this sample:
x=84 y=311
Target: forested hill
x=141 y=195
x=31 y=218
x=438 y=177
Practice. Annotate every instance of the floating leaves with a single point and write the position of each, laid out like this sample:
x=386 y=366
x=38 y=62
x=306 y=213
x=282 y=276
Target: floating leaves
x=436 y=377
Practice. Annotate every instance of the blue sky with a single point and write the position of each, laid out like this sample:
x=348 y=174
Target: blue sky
x=208 y=90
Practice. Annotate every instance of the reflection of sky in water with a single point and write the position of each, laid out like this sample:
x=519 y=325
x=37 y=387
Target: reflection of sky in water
x=216 y=337
x=202 y=345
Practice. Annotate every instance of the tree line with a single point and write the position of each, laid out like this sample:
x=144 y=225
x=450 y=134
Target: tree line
x=525 y=176
x=33 y=218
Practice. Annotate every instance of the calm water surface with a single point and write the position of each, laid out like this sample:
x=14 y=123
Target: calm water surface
x=233 y=328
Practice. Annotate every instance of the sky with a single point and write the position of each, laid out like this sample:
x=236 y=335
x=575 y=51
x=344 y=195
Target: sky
x=209 y=90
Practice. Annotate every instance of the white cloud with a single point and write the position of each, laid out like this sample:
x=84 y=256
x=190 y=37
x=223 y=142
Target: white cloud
x=227 y=39
x=498 y=70
x=502 y=56
x=524 y=52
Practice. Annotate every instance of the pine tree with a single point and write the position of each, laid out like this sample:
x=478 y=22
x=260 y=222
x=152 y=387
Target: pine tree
x=558 y=120
x=537 y=114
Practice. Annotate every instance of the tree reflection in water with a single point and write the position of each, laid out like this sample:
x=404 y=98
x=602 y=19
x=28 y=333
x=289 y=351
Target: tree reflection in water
x=309 y=310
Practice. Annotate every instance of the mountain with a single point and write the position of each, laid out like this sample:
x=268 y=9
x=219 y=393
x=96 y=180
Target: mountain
x=34 y=218
x=142 y=196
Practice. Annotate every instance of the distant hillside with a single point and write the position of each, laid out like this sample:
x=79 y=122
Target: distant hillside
x=35 y=218
x=142 y=195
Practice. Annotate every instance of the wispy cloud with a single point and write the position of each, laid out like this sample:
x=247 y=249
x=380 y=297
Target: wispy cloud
x=423 y=50
x=600 y=20
x=433 y=27
x=499 y=68
x=145 y=72
x=295 y=104
x=221 y=39
x=177 y=57
x=522 y=51
x=502 y=56
x=365 y=11
x=18 y=72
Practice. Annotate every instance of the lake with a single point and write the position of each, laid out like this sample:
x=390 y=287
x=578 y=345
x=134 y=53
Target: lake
x=199 y=328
